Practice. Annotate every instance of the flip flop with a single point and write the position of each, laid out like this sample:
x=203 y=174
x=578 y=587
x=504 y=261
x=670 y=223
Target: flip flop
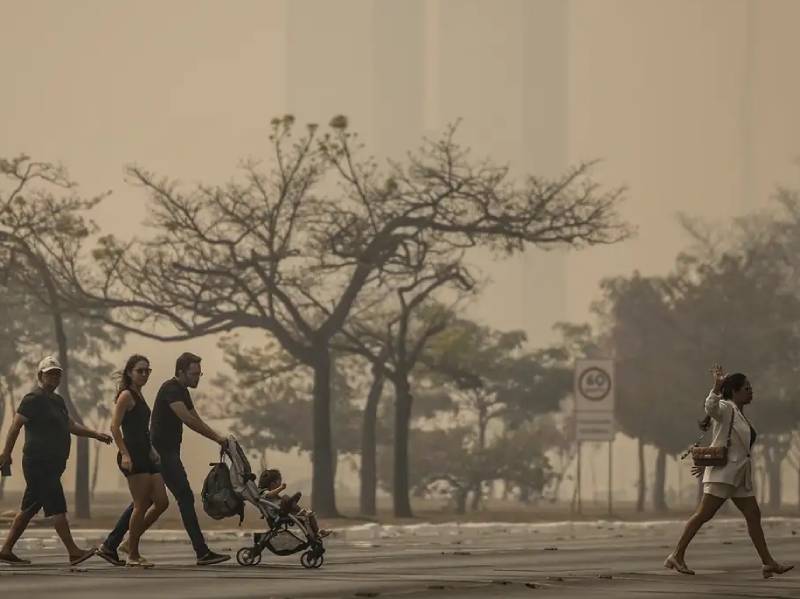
x=112 y=557
x=771 y=570
x=74 y=560
x=14 y=560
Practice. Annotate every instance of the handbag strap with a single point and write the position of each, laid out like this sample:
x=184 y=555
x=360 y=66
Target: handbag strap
x=695 y=444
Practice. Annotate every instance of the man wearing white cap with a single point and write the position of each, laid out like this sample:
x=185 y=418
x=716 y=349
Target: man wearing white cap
x=48 y=426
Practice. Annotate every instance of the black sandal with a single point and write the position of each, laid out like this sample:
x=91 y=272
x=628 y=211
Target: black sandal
x=12 y=559
x=74 y=560
x=112 y=557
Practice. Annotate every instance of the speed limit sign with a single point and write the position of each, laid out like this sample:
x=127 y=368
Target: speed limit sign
x=594 y=386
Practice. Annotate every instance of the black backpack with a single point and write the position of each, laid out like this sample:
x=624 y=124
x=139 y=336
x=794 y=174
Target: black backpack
x=219 y=498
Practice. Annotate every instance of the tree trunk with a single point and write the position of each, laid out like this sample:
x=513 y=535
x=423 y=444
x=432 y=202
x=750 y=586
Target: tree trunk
x=2 y=407
x=323 y=493
x=659 y=496
x=82 y=498
x=565 y=459
x=368 y=472
x=775 y=484
x=11 y=391
x=483 y=423
x=461 y=500
x=2 y=420
x=477 y=495
x=642 y=486
x=774 y=454
x=95 y=468
x=402 y=425
x=334 y=463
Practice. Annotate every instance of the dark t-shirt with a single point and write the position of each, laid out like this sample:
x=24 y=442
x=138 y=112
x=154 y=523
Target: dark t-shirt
x=166 y=429
x=47 y=430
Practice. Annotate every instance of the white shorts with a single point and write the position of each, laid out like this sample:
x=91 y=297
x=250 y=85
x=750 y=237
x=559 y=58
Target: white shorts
x=726 y=491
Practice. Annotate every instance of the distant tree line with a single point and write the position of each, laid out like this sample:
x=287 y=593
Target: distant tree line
x=357 y=274
x=733 y=297
x=353 y=271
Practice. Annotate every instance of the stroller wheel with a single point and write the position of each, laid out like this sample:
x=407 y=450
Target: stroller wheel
x=311 y=559
x=246 y=556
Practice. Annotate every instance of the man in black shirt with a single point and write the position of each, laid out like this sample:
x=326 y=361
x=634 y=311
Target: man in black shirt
x=172 y=409
x=48 y=426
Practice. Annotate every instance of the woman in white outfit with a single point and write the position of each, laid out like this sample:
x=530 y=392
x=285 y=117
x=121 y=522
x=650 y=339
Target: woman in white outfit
x=724 y=408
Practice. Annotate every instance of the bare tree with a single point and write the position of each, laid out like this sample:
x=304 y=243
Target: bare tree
x=290 y=248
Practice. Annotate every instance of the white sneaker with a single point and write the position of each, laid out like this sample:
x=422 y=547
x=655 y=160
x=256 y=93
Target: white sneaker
x=123 y=547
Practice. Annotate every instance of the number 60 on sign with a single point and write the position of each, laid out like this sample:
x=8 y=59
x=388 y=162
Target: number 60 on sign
x=594 y=386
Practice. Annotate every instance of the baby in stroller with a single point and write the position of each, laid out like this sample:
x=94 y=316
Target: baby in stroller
x=270 y=486
x=287 y=531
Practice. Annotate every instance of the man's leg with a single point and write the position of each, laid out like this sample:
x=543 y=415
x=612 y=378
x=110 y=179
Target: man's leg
x=61 y=524
x=175 y=479
x=115 y=537
x=18 y=526
x=55 y=506
x=29 y=507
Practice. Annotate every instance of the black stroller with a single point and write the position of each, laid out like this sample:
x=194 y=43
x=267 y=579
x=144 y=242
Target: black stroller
x=286 y=533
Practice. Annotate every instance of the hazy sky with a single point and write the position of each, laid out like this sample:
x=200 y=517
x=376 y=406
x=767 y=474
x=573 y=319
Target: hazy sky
x=690 y=103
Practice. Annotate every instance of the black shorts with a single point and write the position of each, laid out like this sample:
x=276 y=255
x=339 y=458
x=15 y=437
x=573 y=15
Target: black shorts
x=43 y=487
x=141 y=463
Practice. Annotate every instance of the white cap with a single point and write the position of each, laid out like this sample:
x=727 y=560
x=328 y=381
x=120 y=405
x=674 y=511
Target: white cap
x=49 y=363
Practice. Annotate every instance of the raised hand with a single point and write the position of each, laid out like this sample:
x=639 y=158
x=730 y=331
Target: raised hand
x=719 y=376
x=697 y=471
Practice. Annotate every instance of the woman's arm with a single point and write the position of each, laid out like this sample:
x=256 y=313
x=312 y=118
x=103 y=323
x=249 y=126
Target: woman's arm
x=123 y=404
x=712 y=406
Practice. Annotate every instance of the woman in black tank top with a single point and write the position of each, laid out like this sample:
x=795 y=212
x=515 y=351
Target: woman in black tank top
x=138 y=462
x=136 y=434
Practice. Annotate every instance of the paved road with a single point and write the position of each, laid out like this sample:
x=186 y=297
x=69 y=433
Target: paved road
x=588 y=561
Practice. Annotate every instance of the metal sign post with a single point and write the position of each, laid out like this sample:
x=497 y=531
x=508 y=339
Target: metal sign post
x=610 y=477
x=594 y=413
x=578 y=482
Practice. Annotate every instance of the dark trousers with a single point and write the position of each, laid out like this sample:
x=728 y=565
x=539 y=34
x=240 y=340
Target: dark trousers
x=177 y=482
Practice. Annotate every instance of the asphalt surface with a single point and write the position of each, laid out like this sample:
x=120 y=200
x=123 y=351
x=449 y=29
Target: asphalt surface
x=588 y=560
